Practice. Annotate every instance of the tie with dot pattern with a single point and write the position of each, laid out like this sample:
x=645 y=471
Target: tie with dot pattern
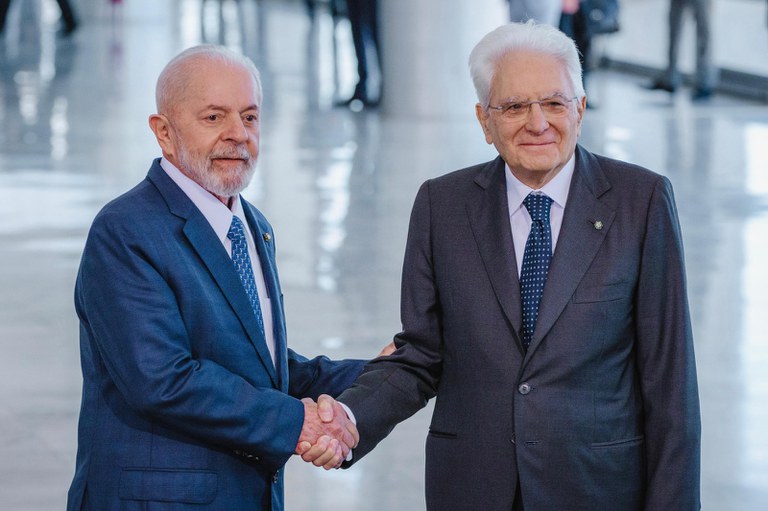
x=242 y=262
x=538 y=253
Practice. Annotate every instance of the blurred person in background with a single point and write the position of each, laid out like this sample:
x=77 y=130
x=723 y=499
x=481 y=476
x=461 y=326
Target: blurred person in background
x=575 y=24
x=364 y=21
x=541 y=11
x=68 y=19
x=705 y=75
x=582 y=20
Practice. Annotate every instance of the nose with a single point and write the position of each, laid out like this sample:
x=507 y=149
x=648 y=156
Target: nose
x=235 y=130
x=536 y=122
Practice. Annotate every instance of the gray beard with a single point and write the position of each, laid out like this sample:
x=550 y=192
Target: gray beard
x=200 y=170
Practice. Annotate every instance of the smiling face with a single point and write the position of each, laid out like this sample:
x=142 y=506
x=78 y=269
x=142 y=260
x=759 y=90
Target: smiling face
x=536 y=145
x=211 y=132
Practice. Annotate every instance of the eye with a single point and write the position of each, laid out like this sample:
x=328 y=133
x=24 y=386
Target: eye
x=212 y=117
x=515 y=108
x=251 y=118
x=554 y=105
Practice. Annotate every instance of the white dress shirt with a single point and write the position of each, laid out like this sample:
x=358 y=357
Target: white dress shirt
x=219 y=217
x=520 y=220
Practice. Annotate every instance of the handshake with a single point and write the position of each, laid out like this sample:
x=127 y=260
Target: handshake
x=327 y=435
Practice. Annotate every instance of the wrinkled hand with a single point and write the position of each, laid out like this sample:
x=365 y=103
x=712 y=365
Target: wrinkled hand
x=327 y=434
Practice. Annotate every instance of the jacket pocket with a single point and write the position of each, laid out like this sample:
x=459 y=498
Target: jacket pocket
x=605 y=293
x=627 y=442
x=169 y=485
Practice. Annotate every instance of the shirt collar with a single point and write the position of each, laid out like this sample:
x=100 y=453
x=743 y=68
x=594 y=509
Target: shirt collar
x=217 y=214
x=556 y=189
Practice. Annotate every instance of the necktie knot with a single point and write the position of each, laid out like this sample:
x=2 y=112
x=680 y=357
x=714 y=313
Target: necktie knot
x=538 y=206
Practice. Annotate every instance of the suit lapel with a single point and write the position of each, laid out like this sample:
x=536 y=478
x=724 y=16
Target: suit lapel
x=578 y=242
x=489 y=220
x=262 y=237
x=207 y=245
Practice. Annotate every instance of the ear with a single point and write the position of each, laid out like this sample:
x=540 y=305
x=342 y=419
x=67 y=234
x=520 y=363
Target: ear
x=482 y=117
x=161 y=127
x=581 y=107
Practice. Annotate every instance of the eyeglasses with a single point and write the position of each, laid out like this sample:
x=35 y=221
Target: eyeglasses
x=553 y=106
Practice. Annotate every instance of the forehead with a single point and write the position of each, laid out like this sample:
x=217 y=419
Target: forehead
x=527 y=74
x=219 y=83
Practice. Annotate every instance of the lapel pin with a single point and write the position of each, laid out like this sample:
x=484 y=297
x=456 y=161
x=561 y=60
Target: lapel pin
x=266 y=237
x=598 y=224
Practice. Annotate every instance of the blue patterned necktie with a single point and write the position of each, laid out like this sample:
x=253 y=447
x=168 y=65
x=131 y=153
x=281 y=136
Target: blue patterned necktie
x=538 y=253
x=242 y=262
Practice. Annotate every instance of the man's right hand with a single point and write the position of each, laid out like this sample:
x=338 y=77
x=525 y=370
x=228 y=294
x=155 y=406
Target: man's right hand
x=327 y=435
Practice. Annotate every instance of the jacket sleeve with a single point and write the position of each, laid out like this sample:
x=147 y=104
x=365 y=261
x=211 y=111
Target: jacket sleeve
x=320 y=375
x=393 y=388
x=666 y=364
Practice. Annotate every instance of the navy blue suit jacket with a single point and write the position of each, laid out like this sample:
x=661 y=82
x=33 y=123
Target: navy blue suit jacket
x=601 y=412
x=182 y=406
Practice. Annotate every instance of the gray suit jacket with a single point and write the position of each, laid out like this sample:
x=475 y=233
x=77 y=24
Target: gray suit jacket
x=602 y=411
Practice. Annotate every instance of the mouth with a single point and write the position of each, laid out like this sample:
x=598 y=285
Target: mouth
x=231 y=159
x=538 y=144
x=230 y=164
x=234 y=154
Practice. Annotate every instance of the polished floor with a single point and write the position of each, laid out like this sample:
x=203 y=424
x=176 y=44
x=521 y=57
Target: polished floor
x=337 y=186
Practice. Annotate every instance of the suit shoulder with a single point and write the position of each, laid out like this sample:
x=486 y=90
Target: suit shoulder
x=465 y=174
x=625 y=185
x=629 y=174
x=132 y=208
x=462 y=179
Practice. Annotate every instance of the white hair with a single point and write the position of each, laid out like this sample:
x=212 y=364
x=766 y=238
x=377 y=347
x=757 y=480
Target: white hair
x=513 y=37
x=175 y=76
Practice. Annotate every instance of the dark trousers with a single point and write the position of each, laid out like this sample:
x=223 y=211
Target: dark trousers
x=67 y=14
x=576 y=27
x=363 y=19
x=702 y=12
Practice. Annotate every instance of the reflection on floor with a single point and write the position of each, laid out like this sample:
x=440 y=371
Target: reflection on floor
x=338 y=186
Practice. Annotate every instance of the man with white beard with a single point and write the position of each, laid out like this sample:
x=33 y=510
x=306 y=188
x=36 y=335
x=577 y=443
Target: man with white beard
x=191 y=398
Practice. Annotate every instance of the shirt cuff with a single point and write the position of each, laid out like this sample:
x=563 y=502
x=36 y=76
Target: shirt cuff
x=354 y=421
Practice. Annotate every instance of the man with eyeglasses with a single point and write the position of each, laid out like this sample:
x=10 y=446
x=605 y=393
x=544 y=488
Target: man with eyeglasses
x=544 y=306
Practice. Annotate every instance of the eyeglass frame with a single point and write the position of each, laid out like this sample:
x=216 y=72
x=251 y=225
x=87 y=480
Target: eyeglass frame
x=504 y=108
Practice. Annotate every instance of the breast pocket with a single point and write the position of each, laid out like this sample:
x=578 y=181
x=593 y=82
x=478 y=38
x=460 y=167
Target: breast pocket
x=602 y=293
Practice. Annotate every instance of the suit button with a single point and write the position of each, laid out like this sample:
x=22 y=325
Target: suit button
x=275 y=477
x=524 y=388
